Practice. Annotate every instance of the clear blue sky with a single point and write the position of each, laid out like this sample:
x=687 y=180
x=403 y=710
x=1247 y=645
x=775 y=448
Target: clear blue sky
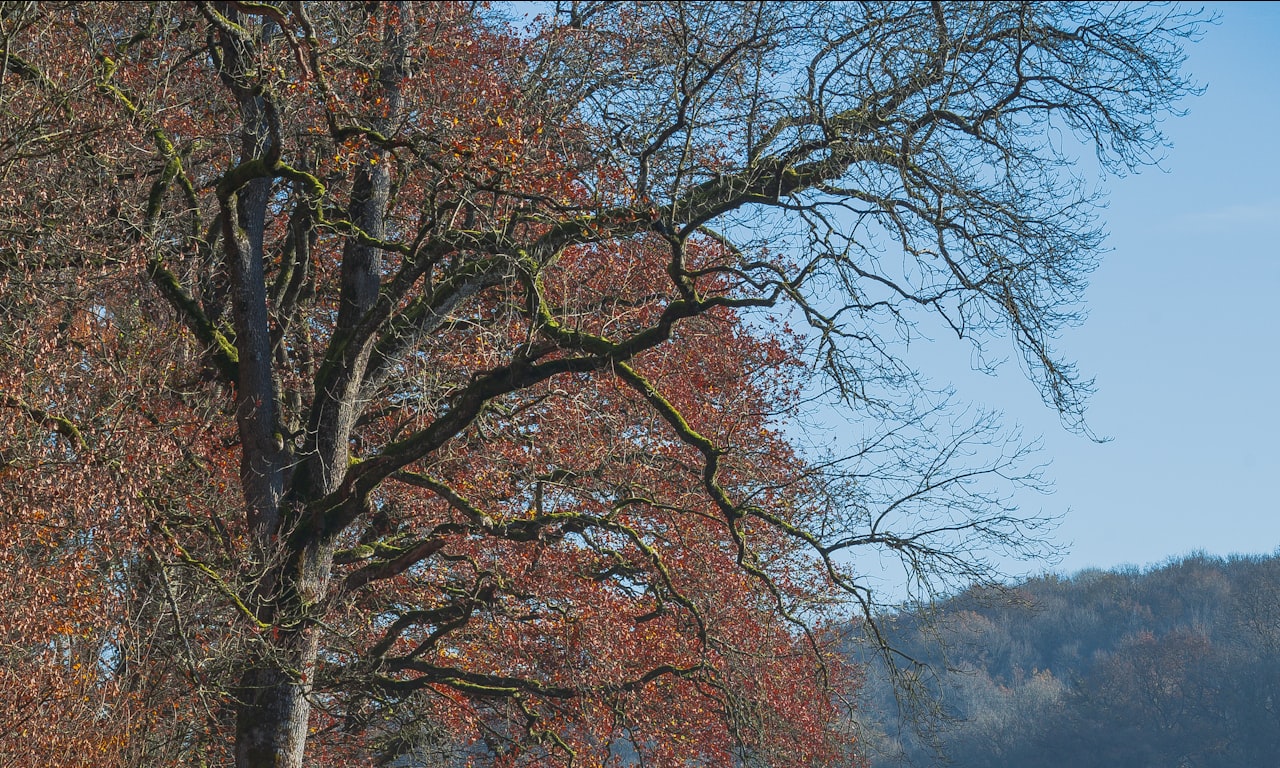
x=1183 y=332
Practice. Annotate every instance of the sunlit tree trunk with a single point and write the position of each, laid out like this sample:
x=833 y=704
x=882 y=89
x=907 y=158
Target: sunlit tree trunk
x=272 y=698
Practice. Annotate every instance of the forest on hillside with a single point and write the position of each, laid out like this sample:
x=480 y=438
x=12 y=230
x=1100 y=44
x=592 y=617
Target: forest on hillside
x=1176 y=665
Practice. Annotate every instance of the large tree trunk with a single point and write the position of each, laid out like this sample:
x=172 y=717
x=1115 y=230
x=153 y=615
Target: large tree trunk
x=295 y=551
x=272 y=705
x=271 y=721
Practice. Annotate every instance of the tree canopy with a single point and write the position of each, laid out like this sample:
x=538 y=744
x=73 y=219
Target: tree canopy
x=384 y=379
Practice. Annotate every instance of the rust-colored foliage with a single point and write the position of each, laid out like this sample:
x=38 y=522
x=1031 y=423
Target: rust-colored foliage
x=381 y=382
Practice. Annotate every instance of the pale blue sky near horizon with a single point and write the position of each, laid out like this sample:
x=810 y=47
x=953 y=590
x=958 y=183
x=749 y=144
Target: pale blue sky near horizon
x=1184 y=314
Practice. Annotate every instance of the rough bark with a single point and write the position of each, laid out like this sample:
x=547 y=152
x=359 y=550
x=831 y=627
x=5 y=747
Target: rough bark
x=272 y=717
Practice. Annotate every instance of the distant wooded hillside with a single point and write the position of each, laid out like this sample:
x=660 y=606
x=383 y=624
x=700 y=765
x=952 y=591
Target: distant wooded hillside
x=1172 y=667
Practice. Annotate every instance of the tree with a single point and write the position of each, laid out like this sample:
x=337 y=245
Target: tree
x=392 y=367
